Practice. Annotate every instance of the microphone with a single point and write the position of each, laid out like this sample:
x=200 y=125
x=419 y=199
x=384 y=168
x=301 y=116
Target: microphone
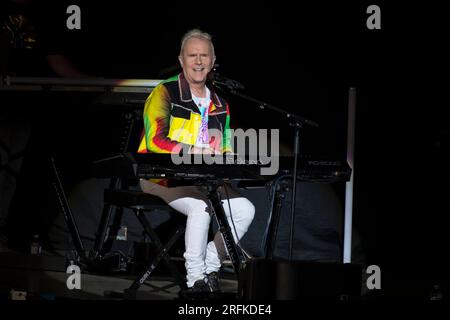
x=218 y=79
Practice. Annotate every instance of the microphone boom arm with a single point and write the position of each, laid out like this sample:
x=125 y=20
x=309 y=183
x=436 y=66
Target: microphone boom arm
x=263 y=105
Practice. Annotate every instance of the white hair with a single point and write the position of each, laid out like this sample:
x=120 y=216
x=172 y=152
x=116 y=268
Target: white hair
x=199 y=34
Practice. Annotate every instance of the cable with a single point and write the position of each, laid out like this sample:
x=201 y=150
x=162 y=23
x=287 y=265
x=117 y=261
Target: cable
x=272 y=193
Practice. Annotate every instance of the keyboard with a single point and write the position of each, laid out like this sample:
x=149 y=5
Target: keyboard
x=153 y=165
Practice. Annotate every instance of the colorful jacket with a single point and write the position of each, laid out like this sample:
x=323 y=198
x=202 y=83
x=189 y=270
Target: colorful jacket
x=172 y=119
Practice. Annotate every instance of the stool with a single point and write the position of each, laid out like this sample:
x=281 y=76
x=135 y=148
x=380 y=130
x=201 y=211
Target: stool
x=140 y=203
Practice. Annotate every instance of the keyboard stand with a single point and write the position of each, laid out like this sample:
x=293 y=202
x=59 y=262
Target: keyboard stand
x=224 y=227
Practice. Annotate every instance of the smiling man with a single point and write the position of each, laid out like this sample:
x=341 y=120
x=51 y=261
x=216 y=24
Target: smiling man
x=184 y=112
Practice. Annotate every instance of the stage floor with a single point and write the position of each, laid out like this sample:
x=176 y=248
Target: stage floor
x=45 y=277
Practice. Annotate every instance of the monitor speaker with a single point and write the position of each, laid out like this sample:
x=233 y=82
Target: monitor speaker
x=287 y=280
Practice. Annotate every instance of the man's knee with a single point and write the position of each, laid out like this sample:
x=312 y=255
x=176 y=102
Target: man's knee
x=198 y=208
x=247 y=209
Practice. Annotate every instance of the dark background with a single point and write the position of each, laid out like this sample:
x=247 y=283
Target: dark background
x=301 y=58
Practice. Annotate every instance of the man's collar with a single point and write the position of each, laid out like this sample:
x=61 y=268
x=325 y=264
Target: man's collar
x=185 y=91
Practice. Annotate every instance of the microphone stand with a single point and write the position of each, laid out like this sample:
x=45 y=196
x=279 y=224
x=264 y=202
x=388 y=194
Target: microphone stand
x=295 y=121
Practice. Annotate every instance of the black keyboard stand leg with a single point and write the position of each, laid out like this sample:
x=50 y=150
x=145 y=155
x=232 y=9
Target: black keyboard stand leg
x=68 y=215
x=224 y=227
x=102 y=229
x=131 y=292
x=280 y=189
x=113 y=231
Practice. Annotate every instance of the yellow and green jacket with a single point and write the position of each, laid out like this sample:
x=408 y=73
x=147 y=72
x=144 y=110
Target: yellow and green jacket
x=172 y=119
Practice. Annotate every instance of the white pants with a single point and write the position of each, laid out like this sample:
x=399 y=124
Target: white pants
x=202 y=257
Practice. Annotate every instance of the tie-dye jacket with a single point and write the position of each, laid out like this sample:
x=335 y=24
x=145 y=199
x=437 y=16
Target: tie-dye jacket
x=172 y=119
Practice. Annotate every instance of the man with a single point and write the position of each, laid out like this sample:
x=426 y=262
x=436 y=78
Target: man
x=182 y=113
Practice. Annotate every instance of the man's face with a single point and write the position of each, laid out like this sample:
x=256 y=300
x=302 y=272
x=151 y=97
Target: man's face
x=196 y=60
